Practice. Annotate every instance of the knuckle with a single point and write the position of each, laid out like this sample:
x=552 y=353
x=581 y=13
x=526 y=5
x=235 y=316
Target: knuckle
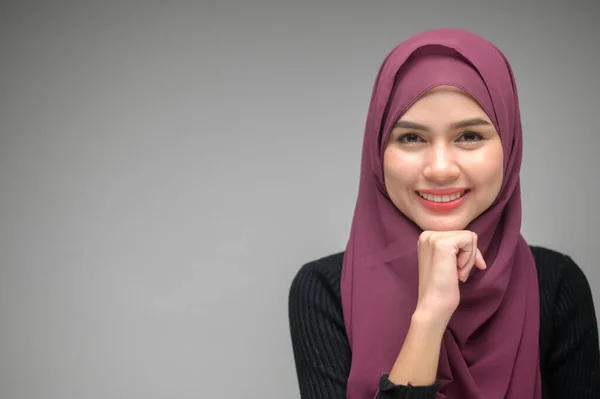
x=424 y=237
x=440 y=241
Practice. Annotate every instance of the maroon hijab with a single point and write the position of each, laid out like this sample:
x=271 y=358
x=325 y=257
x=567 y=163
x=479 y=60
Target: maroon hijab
x=491 y=346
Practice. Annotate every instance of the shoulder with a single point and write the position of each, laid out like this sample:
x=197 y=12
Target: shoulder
x=322 y=271
x=563 y=287
x=557 y=273
x=551 y=261
x=566 y=302
x=318 y=277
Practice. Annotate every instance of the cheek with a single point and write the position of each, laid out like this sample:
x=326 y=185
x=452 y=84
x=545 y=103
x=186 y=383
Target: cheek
x=487 y=168
x=497 y=164
x=399 y=172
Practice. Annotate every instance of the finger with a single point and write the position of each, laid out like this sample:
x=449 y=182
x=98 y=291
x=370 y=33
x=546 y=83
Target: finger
x=467 y=250
x=464 y=274
x=463 y=241
x=479 y=261
x=464 y=258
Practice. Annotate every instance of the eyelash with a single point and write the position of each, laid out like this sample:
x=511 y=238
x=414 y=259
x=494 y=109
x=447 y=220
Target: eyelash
x=402 y=139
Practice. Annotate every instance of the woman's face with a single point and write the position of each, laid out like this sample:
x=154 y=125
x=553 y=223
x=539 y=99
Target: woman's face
x=443 y=163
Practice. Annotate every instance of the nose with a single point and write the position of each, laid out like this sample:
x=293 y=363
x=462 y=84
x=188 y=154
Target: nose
x=441 y=165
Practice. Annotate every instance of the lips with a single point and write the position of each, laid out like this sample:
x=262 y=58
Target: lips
x=442 y=200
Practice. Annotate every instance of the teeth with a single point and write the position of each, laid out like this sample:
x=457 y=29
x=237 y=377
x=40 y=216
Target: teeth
x=442 y=198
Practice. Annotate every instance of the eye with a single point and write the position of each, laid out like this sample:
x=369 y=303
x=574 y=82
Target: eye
x=470 y=137
x=410 y=138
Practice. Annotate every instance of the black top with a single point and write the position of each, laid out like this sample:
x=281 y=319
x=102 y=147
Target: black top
x=569 y=354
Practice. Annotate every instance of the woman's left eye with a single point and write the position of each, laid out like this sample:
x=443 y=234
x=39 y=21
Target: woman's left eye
x=470 y=137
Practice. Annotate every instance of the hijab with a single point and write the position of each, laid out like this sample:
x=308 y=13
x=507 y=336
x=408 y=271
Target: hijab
x=490 y=348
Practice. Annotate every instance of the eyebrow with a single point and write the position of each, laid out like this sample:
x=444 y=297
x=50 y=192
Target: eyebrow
x=455 y=125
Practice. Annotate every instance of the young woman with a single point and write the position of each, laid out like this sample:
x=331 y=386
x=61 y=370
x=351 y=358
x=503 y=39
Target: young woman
x=437 y=294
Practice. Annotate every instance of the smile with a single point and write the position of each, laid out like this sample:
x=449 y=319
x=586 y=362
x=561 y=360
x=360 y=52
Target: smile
x=442 y=198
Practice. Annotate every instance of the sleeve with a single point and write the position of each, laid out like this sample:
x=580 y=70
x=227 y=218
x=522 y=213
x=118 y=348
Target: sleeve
x=574 y=358
x=321 y=351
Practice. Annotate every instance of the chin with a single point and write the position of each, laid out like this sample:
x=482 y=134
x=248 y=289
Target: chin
x=440 y=225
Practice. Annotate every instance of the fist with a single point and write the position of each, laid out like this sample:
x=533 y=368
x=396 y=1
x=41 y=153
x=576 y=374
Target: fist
x=445 y=258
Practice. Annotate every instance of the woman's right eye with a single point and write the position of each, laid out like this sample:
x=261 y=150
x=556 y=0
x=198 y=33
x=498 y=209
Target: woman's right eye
x=410 y=138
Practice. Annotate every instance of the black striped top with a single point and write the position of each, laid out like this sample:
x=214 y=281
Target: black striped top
x=569 y=354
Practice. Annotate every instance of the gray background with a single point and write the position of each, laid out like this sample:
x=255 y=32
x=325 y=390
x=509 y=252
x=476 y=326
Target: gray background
x=166 y=167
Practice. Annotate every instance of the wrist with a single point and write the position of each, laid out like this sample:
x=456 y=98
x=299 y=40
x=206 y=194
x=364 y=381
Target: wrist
x=431 y=322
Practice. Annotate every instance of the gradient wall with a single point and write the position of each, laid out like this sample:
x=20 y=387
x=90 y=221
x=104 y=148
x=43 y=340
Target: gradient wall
x=166 y=167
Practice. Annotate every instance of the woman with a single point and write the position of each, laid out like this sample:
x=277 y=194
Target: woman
x=437 y=294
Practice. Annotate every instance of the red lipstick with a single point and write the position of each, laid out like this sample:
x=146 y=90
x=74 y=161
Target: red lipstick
x=443 y=191
x=443 y=206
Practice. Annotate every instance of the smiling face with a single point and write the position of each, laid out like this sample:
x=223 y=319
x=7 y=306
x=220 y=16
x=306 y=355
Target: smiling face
x=443 y=163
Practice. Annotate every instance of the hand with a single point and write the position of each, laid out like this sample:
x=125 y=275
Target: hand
x=445 y=257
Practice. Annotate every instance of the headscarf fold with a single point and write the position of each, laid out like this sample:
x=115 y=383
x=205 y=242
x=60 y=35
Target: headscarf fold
x=490 y=348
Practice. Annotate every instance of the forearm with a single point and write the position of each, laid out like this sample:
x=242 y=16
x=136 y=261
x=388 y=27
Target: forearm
x=417 y=362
